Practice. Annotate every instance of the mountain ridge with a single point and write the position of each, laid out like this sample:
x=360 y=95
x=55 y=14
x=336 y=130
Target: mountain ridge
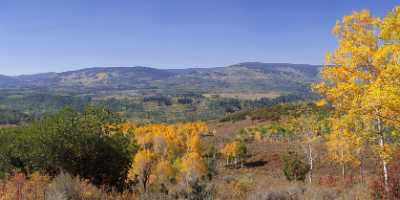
x=245 y=76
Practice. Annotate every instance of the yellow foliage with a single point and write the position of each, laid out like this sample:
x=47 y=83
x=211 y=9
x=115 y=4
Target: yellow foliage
x=142 y=165
x=161 y=145
x=179 y=138
x=192 y=167
x=321 y=103
x=235 y=149
x=164 y=171
x=363 y=73
x=258 y=136
x=194 y=144
x=344 y=145
x=361 y=80
x=230 y=150
x=127 y=127
x=391 y=25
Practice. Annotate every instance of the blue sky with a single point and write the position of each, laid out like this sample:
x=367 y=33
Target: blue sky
x=59 y=35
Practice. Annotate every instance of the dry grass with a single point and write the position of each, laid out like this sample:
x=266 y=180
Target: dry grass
x=262 y=176
x=7 y=125
x=62 y=187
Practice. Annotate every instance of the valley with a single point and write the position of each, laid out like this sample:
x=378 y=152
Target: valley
x=152 y=95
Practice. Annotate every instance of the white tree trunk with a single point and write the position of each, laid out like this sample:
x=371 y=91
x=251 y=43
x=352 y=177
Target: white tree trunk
x=343 y=165
x=384 y=163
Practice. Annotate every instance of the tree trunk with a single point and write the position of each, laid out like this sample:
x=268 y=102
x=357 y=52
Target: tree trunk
x=343 y=171
x=384 y=165
x=382 y=145
x=343 y=165
x=361 y=170
x=146 y=177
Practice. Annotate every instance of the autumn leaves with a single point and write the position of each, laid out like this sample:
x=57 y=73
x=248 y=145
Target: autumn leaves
x=167 y=153
x=361 y=81
x=234 y=153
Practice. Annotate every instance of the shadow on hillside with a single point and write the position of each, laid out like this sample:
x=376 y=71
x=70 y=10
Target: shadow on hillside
x=253 y=164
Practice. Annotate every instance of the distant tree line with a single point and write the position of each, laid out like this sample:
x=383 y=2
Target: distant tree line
x=154 y=108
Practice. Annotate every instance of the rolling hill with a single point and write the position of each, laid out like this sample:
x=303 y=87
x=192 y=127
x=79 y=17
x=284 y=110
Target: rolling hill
x=242 y=77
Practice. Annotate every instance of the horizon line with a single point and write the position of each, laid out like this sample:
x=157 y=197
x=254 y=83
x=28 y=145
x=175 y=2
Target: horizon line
x=159 y=68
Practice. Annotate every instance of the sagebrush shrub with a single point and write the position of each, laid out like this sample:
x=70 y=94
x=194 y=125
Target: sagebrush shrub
x=64 y=186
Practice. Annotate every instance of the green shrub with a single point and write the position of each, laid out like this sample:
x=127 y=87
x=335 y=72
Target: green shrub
x=237 y=116
x=273 y=131
x=18 y=151
x=82 y=144
x=294 y=168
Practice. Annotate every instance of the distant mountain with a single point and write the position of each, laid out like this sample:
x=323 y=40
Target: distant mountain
x=10 y=82
x=38 y=79
x=249 y=77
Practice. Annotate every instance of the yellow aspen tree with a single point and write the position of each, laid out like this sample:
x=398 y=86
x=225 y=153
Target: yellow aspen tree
x=309 y=129
x=229 y=152
x=166 y=149
x=194 y=144
x=142 y=167
x=192 y=168
x=361 y=77
x=234 y=152
x=163 y=172
x=344 y=143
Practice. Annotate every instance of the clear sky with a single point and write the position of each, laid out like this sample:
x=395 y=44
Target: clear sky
x=59 y=35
